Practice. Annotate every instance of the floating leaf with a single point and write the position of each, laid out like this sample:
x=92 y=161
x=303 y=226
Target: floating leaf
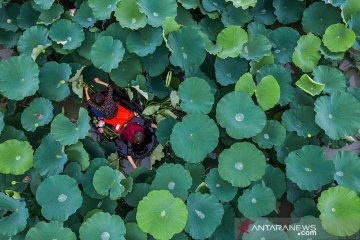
x=38 y=113
x=307 y=52
x=129 y=16
x=144 y=41
x=304 y=207
x=333 y=79
x=310 y=86
x=220 y=188
x=134 y=232
x=77 y=153
x=347 y=170
x=256 y=47
x=87 y=180
x=102 y=9
x=267 y=92
x=49 y=16
x=285 y=39
x=32 y=38
x=44 y=4
x=263 y=12
x=67 y=33
x=127 y=71
x=85 y=16
x=139 y=191
x=157 y=11
x=274 y=178
x=155 y=68
x=229 y=70
x=50 y=230
x=27 y=16
x=244 y=4
x=338 y=38
x=16 y=157
x=231 y=40
x=245 y=84
x=107 y=181
x=273 y=134
x=289 y=11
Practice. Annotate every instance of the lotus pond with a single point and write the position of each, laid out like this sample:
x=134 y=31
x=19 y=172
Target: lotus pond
x=257 y=104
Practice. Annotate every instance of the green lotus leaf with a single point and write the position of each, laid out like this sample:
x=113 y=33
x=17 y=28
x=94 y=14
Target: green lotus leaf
x=194 y=137
x=16 y=157
x=244 y=4
x=164 y=130
x=174 y=178
x=134 y=232
x=19 y=77
x=102 y=9
x=68 y=34
x=197 y=172
x=263 y=12
x=348 y=8
x=309 y=168
x=103 y=225
x=285 y=40
x=338 y=38
x=273 y=134
x=267 y=92
x=49 y=231
x=188 y=48
x=340 y=211
x=241 y=164
x=49 y=16
x=9 y=132
x=333 y=79
x=256 y=202
x=354 y=24
x=44 y=4
x=274 y=178
x=73 y=170
x=27 y=16
x=289 y=11
x=211 y=27
x=127 y=13
x=270 y=234
x=8 y=16
x=292 y=142
x=205 y=214
x=15 y=222
x=220 y=188
x=66 y=132
x=226 y=228
x=38 y=113
x=213 y=5
x=195 y=95
x=301 y=120
x=32 y=38
x=229 y=70
x=139 y=191
x=85 y=16
x=127 y=71
x=334 y=115
x=77 y=153
x=49 y=157
x=256 y=47
x=144 y=41
x=106 y=53
x=87 y=180
x=53 y=80
x=310 y=86
x=304 y=207
x=107 y=181
x=9 y=39
x=245 y=84
x=2 y=124
x=155 y=68
x=239 y=115
x=59 y=197
x=347 y=167
x=318 y=16
x=85 y=49
x=307 y=52
x=104 y=204
x=157 y=10
x=235 y=16
x=161 y=215
x=231 y=41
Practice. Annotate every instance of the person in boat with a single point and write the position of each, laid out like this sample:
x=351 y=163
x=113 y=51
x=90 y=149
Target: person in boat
x=114 y=114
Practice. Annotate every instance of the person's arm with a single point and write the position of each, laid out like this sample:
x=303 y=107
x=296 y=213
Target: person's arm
x=129 y=155
x=110 y=92
x=97 y=80
x=131 y=160
x=87 y=93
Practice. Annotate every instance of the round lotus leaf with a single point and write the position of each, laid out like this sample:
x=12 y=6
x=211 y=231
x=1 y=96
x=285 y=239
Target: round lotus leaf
x=272 y=233
x=239 y=115
x=49 y=16
x=244 y=4
x=213 y=5
x=194 y=137
x=103 y=226
x=226 y=228
x=11 y=224
x=301 y=120
x=155 y=68
x=73 y=170
x=195 y=95
x=347 y=170
x=102 y=9
x=340 y=211
x=334 y=115
x=263 y=12
x=174 y=178
x=59 y=197
x=354 y=24
x=106 y=53
x=241 y=164
x=229 y=70
x=235 y=16
x=318 y=16
x=77 y=153
x=188 y=48
x=273 y=134
x=205 y=214
x=161 y=214
x=66 y=132
x=32 y=38
x=274 y=178
x=8 y=16
x=38 y=113
x=107 y=180
x=267 y=92
x=309 y=86
x=292 y=142
x=134 y=232
x=307 y=52
x=211 y=27
x=87 y=180
x=49 y=231
x=333 y=79
x=16 y=157
x=144 y=41
x=285 y=40
x=19 y=77
x=49 y=157
x=67 y=33
x=129 y=16
x=308 y=168
x=197 y=172
x=245 y=84
x=9 y=132
x=256 y=202
x=348 y=8
x=27 y=16
x=256 y=47
x=157 y=10
x=85 y=16
x=283 y=77
x=44 y=4
x=126 y=72
x=289 y=11
x=139 y=191
x=220 y=188
x=85 y=49
x=164 y=130
x=231 y=41
x=304 y=207
x=53 y=80
x=338 y=38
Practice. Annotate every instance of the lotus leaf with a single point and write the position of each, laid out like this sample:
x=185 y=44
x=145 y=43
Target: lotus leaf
x=67 y=33
x=157 y=10
x=347 y=167
x=85 y=16
x=129 y=16
x=338 y=38
x=144 y=41
x=263 y=12
x=32 y=38
x=49 y=231
x=220 y=188
x=245 y=84
x=155 y=68
x=49 y=16
x=16 y=157
x=235 y=16
x=27 y=16
x=38 y=113
x=289 y=11
x=107 y=181
x=267 y=92
x=285 y=40
x=126 y=71
x=310 y=86
x=256 y=48
x=102 y=9
x=333 y=79
x=307 y=52
x=273 y=134
x=229 y=70
x=231 y=41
